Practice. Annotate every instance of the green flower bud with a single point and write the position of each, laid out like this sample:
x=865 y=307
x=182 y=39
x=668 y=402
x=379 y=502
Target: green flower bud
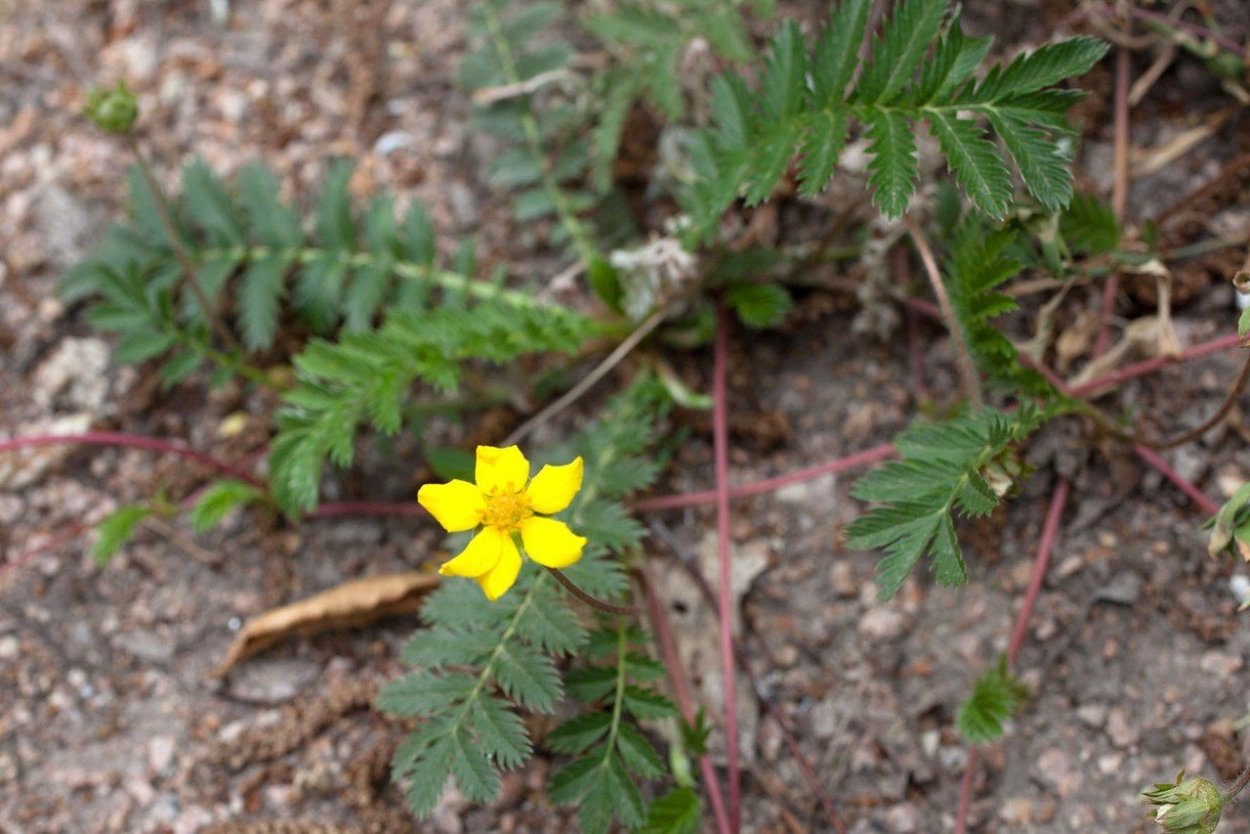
x=113 y=111
x=1186 y=806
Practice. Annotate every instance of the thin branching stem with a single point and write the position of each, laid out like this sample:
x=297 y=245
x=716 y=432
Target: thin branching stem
x=1234 y=393
x=1196 y=495
x=720 y=444
x=766 y=705
x=587 y=382
x=189 y=278
x=1149 y=366
x=967 y=368
x=592 y=601
x=1232 y=789
x=133 y=441
x=533 y=137
x=681 y=692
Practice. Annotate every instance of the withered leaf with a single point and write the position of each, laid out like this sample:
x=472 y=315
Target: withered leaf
x=349 y=605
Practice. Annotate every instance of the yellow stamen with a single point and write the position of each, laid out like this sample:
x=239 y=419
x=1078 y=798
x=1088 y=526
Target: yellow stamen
x=506 y=511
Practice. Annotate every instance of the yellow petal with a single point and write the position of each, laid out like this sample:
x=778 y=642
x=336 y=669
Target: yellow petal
x=456 y=505
x=553 y=487
x=497 y=582
x=481 y=555
x=501 y=470
x=551 y=543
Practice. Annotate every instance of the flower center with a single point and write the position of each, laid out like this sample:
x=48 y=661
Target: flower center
x=506 y=511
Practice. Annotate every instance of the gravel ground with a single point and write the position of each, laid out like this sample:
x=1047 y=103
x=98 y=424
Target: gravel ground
x=110 y=719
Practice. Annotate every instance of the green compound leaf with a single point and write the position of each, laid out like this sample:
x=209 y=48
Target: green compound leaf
x=611 y=751
x=938 y=475
x=920 y=69
x=676 y=812
x=218 y=500
x=759 y=305
x=117 y=528
x=995 y=697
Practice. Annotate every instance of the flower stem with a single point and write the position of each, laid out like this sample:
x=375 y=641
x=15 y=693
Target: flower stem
x=593 y=602
x=1230 y=790
x=1234 y=393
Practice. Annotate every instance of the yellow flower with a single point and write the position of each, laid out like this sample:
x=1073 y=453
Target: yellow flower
x=505 y=502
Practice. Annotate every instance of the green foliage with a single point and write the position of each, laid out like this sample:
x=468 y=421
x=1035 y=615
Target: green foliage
x=920 y=68
x=980 y=261
x=367 y=377
x=113 y=110
x=116 y=530
x=677 y=812
x=245 y=243
x=479 y=663
x=218 y=500
x=941 y=471
x=1088 y=226
x=470 y=730
x=759 y=305
x=514 y=58
x=1230 y=526
x=995 y=697
x=648 y=40
x=609 y=750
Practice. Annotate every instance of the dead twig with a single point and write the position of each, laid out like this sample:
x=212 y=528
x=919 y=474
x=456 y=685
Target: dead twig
x=600 y=371
x=967 y=369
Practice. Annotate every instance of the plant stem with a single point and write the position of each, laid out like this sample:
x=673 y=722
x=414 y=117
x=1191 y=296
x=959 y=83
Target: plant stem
x=1193 y=28
x=693 y=499
x=107 y=438
x=533 y=137
x=1196 y=495
x=234 y=362
x=1119 y=190
x=720 y=444
x=1020 y=630
x=587 y=382
x=967 y=369
x=180 y=252
x=766 y=704
x=593 y=602
x=443 y=279
x=1234 y=393
x=1230 y=791
x=1151 y=365
x=676 y=675
x=1058 y=500
x=965 y=790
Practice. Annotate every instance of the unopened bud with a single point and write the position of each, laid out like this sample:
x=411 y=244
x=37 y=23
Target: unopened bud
x=1186 y=806
x=113 y=111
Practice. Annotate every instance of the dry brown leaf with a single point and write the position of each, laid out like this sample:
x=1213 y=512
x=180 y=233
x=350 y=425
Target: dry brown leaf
x=351 y=604
x=1141 y=337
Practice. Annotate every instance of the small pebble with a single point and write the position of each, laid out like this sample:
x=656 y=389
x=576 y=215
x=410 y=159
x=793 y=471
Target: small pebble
x=1093 y=715
x=1120 y=728
x=1220 y=664
x=883 y=624
x=1055 y=770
